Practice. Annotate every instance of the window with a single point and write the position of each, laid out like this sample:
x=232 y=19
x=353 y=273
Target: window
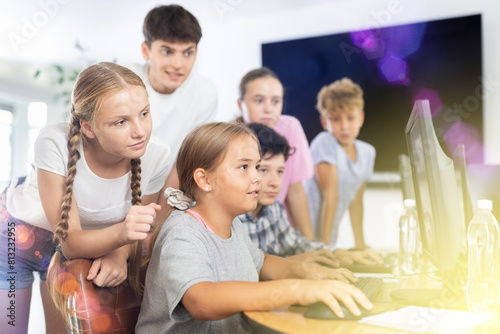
x=6 y=120
x=37 y=118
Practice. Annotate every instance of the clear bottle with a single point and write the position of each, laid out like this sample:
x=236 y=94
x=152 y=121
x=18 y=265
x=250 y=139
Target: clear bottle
x=408 y=259
x=483 y=239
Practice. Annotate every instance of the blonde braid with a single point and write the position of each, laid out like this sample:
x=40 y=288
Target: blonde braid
x=135 y=183
x=56 y=271
x=135 y=262
x=61 y=230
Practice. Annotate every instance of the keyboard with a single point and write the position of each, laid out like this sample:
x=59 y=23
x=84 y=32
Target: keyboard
x=369 y=285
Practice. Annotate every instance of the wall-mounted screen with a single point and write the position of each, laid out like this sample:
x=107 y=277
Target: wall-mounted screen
x=437 y=60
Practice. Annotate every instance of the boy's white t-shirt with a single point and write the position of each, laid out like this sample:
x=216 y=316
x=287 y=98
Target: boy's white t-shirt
x=175 y=115
x=101 y=202
x=351 y=175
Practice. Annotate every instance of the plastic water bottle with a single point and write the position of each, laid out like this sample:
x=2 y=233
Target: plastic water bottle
x=483 y=238
x=408 y=238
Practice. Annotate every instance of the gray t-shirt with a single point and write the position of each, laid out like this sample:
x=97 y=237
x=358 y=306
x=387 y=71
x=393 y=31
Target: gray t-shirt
x=186 y=253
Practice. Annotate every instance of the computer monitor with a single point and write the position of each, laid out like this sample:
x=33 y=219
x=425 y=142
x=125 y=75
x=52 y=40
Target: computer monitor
x=460 y=162
x=404 y=167
x=441 y=218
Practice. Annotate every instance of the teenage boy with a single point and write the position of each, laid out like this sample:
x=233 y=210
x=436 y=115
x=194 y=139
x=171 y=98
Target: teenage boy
x=268 y=225
x=342 y=163
x=180 y=98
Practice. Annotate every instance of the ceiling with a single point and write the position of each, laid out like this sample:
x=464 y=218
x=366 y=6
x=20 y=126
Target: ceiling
x=46 y=31
x=36 y=34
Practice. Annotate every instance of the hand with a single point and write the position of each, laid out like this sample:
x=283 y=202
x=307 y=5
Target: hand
x=322 y=256
x=330 y=293
x=138 y=222
x=109 y=270
x=348 y=257
x=314 y=271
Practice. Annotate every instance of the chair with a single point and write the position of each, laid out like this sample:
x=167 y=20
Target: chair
x=101 y=310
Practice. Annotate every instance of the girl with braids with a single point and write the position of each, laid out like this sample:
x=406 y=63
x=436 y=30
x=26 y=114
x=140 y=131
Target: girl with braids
x=89 y=180
x=203 y=269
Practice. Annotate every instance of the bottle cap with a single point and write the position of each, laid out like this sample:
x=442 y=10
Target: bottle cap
x=484 y=204
x=409 y=202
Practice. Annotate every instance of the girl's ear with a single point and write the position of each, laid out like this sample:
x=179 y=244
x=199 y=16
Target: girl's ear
x=202 y=179
x=240 y=105
x=87 y=129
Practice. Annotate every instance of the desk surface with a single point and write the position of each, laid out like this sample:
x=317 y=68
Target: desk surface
x=291 y=320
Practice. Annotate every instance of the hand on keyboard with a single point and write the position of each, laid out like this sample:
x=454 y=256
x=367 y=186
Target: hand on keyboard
x=349 y=257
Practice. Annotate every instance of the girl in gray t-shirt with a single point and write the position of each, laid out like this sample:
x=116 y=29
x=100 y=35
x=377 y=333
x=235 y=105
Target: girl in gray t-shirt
x=204 y=270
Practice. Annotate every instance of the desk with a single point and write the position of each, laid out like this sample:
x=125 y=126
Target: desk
x=291 y=320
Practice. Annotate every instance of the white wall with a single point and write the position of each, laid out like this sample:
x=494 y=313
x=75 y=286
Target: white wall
x=231 y=46
x=233 y=31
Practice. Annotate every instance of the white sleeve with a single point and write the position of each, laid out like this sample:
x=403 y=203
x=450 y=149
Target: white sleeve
x=51 y=152
x=160 y=160
x=209 y=97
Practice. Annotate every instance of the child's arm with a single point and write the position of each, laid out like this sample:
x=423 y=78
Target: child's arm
x=276 y=267
x=213 y=301
x=91 y=243
x=111 y=269
x=298 y=248
x=321 y=256
x=327 y=178
x=348 y=257
x=356 y=214
x=296 y=199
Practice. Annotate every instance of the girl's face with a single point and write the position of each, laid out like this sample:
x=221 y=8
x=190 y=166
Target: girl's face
x=263 y=101
x=123 y=125
x=236 y=181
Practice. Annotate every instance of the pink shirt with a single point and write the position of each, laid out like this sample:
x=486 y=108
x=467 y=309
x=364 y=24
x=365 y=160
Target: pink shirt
x=299 y=165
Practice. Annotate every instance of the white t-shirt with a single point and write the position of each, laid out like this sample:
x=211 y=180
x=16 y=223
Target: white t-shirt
x=175 y=115
x=101 y=202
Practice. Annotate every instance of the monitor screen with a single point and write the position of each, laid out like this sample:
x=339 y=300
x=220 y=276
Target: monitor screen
x=439 y=60
x=440 y=213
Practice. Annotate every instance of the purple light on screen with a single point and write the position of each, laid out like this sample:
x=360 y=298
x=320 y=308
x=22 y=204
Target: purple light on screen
x=467 y=134
x=433 y=97
x=394 y=70
x=364 y=39
x=403 y=40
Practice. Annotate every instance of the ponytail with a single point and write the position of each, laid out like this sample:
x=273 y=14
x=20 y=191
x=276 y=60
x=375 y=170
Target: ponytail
x=176 y=199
